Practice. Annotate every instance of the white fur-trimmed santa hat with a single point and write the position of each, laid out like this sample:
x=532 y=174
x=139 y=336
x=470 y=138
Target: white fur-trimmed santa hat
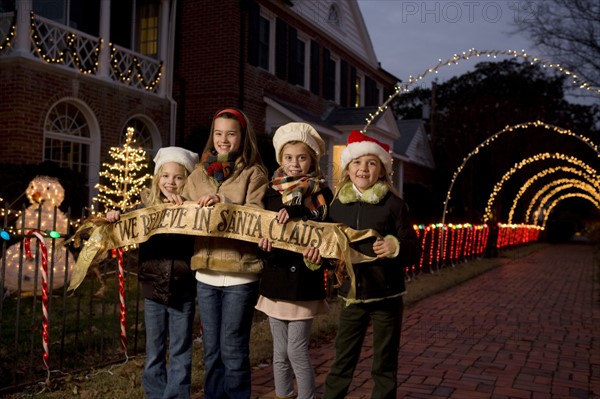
x=180 y=155
x=360 y=144
x=298 y=131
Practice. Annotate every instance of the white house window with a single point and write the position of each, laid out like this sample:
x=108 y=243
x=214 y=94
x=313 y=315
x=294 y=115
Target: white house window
x=72 y=139
x=67 y=138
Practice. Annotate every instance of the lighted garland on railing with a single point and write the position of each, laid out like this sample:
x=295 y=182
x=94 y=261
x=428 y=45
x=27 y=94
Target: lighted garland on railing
x=126 y=77
x=519 y=165
x=70 y=48
x=563 y=185
x=10 y=34
x=566 y=169
x=471 y=53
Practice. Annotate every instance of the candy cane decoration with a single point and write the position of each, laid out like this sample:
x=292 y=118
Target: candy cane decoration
x=45 y=322
x=122 y=299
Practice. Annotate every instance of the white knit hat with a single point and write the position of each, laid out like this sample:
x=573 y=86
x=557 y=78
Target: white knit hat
x=359 y=145
x=179 y=155
x=298 y=131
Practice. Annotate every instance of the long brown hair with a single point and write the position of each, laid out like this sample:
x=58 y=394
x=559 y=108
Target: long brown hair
x=249 y=154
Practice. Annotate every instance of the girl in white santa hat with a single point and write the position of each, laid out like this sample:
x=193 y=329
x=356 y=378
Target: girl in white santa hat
x=292 y=292
x=168 y=284
x=370 y=292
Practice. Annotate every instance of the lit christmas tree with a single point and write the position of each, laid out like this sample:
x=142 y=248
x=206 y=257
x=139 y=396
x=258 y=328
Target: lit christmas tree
x=126 y=178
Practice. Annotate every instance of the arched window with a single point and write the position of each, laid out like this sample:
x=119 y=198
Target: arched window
x=146 y=134
x=71 y=139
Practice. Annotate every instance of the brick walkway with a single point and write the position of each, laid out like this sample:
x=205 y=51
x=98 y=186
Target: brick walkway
x=528 y=329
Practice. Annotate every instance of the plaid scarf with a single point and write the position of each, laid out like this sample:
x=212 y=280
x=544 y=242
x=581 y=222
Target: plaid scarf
x=305 y=190
x=219 y=166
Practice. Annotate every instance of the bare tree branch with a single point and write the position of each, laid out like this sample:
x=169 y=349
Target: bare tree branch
x=566 y=30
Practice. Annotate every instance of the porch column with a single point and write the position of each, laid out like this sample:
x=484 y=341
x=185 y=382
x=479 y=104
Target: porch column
x=23 y=29
x=163 y=43
x=104 y=56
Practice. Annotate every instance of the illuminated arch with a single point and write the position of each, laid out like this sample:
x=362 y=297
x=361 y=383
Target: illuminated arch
x=509 y=129
x=554 y=188
x=563 y=197
x=549 y=191
x=545 y=173
x=535 y=158
x=473 y=53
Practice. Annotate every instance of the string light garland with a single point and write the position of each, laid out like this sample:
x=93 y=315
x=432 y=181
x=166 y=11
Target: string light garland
x=126 y=76
x=527 y=161
x=6 y=42
x=545 y=173
x=125 y=180
x=69 y=48
x=474 y=53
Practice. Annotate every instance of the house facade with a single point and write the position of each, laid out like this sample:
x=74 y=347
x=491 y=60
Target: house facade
x=78 y=73
x=75 y=74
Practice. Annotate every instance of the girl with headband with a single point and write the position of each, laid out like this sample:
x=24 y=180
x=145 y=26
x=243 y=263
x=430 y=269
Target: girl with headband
x=227 y=271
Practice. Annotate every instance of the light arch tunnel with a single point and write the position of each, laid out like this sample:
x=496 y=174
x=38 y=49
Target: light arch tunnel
x=586 y=171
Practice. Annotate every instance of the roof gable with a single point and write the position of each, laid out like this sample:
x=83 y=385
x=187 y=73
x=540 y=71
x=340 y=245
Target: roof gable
x=414 y=143
x=342 y=21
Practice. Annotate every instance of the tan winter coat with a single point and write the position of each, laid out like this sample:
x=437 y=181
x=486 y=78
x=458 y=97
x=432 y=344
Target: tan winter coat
x=223 y=254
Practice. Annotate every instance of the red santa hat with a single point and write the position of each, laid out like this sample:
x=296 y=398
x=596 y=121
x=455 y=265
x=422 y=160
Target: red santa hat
x=360 y=144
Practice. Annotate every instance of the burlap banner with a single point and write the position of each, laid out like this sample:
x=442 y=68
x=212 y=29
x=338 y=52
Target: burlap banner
x=222 y=220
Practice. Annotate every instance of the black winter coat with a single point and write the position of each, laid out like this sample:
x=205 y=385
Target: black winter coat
x=285 y=275
x=164 y=269
x=383 y=277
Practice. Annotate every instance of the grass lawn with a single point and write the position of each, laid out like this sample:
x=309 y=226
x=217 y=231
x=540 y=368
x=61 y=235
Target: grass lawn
x=123 y=380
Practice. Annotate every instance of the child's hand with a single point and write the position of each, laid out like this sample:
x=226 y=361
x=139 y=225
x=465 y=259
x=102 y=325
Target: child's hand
x=313 y=255
x=174 y=199
x=113 y=216
x=209 y=200
x=283 y=216
x=386 y=247
x=265 y=245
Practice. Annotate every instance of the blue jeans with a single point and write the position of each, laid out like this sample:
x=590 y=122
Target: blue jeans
x=226 y=315
x=174 y=381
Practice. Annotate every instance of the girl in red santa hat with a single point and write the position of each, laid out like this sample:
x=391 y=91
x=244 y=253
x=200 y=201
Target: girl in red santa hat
x=370 y=291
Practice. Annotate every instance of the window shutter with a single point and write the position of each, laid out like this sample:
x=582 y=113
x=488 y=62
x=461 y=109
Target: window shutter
x=281 y=53
x=253 y=32
x=315 y=67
